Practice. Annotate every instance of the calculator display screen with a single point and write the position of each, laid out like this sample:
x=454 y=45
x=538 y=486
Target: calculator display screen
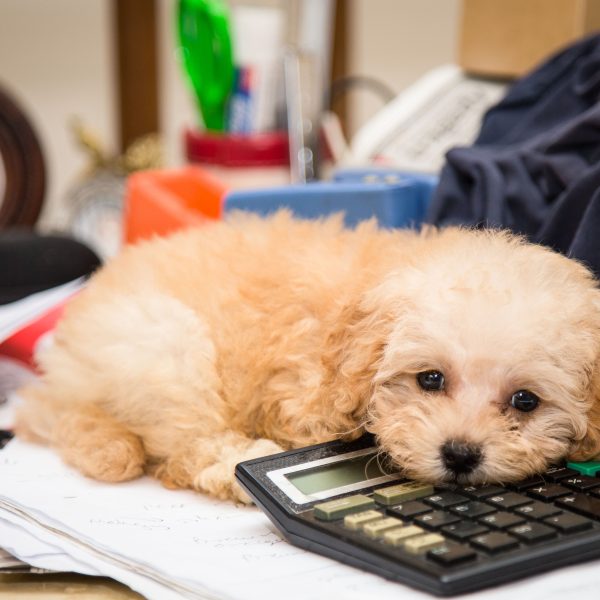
x=338 y=474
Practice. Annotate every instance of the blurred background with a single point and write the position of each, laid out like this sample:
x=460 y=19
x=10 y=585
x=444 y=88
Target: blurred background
x=94 y=91
x=62 y=58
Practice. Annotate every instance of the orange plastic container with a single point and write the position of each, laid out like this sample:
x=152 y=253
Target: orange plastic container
x=160 y=202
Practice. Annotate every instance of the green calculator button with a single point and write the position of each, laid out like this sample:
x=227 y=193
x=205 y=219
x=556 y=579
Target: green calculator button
x=590 y=467
x=378 y=528
x=356 y=521
x=402 y=493
x=336 y=509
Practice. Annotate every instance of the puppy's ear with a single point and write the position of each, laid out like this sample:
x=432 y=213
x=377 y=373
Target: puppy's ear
x=353 y=353
x=589 y=447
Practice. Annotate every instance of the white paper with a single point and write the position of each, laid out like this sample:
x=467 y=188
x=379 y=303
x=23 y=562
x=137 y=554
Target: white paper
x=16 y=315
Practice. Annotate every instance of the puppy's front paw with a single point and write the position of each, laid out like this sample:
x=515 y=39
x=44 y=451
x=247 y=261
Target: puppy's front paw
x=219 y=478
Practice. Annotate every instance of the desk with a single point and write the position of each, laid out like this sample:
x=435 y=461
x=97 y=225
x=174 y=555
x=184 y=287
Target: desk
x=63 y=585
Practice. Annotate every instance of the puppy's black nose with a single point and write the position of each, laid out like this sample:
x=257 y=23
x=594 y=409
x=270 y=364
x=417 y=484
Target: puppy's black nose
x=460 y=457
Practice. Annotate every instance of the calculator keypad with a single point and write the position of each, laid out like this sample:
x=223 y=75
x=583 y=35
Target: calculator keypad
x=451 y=525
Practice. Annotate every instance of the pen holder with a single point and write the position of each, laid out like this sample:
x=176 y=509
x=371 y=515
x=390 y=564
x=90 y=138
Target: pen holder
x=241 y=161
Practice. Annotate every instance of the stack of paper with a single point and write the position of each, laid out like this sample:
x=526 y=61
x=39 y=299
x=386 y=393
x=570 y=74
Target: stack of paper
x=16 y=315
x=172 y=544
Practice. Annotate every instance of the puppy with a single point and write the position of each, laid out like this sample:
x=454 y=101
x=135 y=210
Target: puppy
x=471 y=355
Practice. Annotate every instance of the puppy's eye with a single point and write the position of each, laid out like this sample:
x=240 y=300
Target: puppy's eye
x=524 y=400
x=431 y=381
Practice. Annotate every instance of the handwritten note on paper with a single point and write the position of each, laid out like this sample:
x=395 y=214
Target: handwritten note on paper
x=198 y=544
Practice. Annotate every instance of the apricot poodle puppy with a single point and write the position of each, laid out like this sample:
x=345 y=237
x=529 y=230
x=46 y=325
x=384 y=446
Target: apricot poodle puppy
x=471 y=355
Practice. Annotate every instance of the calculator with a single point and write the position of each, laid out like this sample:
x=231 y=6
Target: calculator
x=338 y=500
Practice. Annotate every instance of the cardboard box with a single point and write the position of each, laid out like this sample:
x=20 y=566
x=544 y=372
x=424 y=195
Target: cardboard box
x=507 y=38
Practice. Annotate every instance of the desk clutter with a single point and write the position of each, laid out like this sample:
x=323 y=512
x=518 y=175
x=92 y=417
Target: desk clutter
x=159 y=202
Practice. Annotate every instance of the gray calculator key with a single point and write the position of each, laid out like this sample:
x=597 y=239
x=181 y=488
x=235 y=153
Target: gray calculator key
x=495 y=542
x=484 y=491
x=558 y=473
x=472 y=510
x=538 y=510
x=463 y=530
x=445 y=499
x=532 y=532
x=569 y=523
x=409 y=509
x=436 y=519
x=525 y=484
x=548 y=492
x=501 y=520
x=582 y=504
x=581 y=483
x=451 y=554
x=508 y=500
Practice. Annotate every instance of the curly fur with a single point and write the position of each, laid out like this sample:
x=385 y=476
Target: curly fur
x=188 y=354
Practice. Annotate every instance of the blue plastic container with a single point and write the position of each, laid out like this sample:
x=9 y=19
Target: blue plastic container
x=395 y=201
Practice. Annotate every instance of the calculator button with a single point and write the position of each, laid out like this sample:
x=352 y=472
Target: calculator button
x=421 y=543
x=502 y=520
x=582 y=504
x=464 y=530
x=581 y=483
x=402 y=492
x=568 y=523
x=484 y=491
x=445 y=499
x=524 y=484
x=589 y=467
x=548 y=492
x=357 y=520
x=557 y=473
x=494 y=542
x=336 y=509
x=532 y=532
x=472 y=509
x=509 y=500
x=409 y=509
x=538 y=510
x=451 y=554
x=397 y=537
x=376 y=529
x=436 y=519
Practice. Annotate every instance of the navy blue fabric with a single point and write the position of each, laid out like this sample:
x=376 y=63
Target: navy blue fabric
x=535 y=166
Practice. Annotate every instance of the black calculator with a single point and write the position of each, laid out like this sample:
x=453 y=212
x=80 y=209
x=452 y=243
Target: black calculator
x=337 y=500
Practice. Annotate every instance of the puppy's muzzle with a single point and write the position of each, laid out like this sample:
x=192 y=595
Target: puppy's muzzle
x=460 y=457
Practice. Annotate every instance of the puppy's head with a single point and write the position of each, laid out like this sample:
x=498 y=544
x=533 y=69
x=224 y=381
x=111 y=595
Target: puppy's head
x=487 y=368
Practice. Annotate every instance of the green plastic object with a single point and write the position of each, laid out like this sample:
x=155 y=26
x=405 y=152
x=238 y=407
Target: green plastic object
x=585 y=468
x=205 y=39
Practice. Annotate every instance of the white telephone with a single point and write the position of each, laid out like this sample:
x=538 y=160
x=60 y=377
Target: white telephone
x=415 y=130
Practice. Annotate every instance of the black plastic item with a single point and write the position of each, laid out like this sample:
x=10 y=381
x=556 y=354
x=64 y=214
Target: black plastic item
x=22 y=165
x=469 y=556
x=5 y=437
x=31 y=263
